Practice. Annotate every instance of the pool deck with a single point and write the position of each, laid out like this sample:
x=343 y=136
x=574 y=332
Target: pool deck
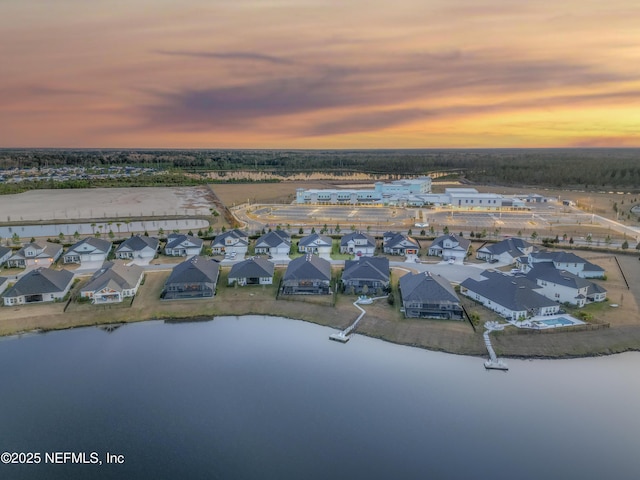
x=537 y=323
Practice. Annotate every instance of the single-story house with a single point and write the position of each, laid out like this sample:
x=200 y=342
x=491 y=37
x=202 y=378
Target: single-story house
x=232 y=241
x=276 y=242
x=563 y=286
x=450 y=247
x=42 y=254
x=506 y=251
x=39 y=285
x=366 y=275
x=90 y=249
x=138 y=246
x=426 y=295
x=254 y=271
x=5 y=254
x=515 y=298
x=358 y=243
x=395 y=243
x=315 y=243
x=180 y=245
x=567 y=261
x=309 y=274
x=114 y=282
x=196 y=277
x=4 y=283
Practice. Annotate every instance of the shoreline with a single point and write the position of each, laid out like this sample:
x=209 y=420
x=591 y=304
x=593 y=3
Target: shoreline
x=504 y=347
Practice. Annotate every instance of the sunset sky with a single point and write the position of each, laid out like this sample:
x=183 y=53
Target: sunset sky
x=319 y=73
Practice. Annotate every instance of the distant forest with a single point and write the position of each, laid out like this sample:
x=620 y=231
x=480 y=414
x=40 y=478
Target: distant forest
x=575 y=168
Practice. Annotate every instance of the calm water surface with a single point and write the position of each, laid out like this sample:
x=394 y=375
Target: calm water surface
x=270 y=398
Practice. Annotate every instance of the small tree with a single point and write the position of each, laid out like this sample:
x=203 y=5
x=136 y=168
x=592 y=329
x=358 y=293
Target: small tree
x=410 y=232
x=534 y=235
x=337 y=229
x=161 y=231
x=111 y=234
x=571 y=241
x=301 y=231
x=76 y=235
x=61 y=236
x=391 y=299
x=445 y=230
x=625 y=245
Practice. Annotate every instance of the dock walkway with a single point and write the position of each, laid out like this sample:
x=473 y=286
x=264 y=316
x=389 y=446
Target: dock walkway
x=344 y=335
x=494 y=363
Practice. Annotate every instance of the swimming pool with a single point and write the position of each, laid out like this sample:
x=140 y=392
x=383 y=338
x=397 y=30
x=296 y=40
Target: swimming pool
x=558 y=322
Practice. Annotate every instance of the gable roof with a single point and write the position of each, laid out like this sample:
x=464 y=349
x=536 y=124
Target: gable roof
x=197 y=269
x=547 y=272
x=252 y=268
x=114 y=274
x=344 y=241
x=564 y=257
x=513 y=246
x=461 y=242
x=308 y=267
x=176 y=239
x=370 y=268
x=273 y=239
x=47 y=250
x=315 y=239
x=94 y=243
x=138 y=242
x=240 y=236
x=39 y=281
x=515 y=293
x=393 y=239
x=426 y=287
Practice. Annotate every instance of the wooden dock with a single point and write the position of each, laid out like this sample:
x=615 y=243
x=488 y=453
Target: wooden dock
x=344 y=335
x=494 y=363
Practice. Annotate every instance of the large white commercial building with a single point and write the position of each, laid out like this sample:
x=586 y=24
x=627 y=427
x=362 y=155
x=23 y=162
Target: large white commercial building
x=408 y=192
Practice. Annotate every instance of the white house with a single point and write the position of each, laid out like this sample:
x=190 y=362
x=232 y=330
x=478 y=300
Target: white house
x=505 y=251
x=42 y=254
x=180 y=245
x=233 y=241
x=276 y=242
x=114 y=282
x=138 y=246
x=450 y=247
x=358 y=243
x=90 y=249
x=567 y=261
x=395 y=243
x=39 y=285
x=315 y=243
x=515 y=298
x=563 y=286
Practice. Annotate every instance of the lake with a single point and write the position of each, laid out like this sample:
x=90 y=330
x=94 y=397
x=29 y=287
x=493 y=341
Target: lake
x=269 y=398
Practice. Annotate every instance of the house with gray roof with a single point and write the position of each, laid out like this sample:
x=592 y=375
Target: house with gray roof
x=90 y=249
x=315 y=243
x=358 y=243
x=138 y=247
x=276 y=242
x=254 y=271
x=427 y=295
x=307 y=275
x=113 y=282
x=567 y=261
x=366 y=275
x=39 y=285
x=5 y=254
x=196 y=277
x=506 y=251
x=450 y=247
x=4 y=283
x=232 y=241
x=395 y=243
x=42 y=254
x=563 y=286
x=181 y=245
x=515 y=298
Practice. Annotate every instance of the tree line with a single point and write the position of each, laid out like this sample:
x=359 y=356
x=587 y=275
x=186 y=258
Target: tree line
x=583 y=168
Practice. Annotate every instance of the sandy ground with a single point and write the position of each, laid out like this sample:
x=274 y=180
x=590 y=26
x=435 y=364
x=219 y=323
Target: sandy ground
x=284 y=192
x=74 y=204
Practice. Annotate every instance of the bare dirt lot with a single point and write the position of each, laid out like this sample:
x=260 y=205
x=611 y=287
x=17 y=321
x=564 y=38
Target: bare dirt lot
x=74 y=204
